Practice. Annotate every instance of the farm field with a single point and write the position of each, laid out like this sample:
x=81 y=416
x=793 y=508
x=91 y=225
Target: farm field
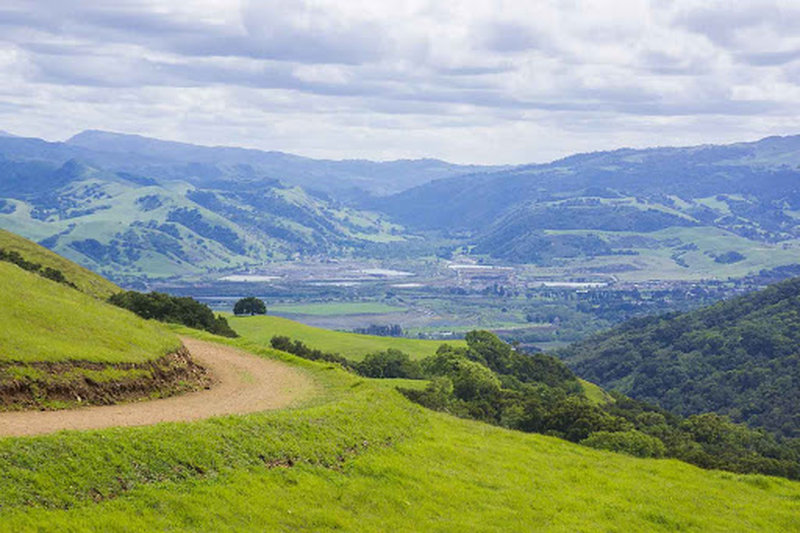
x=260 y=329
x=359 y=457
x=336 y=308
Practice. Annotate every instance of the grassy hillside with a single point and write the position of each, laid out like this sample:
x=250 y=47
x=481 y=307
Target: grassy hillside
x=85 y=280
x=360 y=457
x=351 y=345
x=47 y=321
x=61 y=347
x=595 y=394
x=739 y=357
x=127 y=225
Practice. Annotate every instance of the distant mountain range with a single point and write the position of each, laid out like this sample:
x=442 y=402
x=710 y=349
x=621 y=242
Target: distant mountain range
x=203 y=165
x=127 y=205
x=601 y=203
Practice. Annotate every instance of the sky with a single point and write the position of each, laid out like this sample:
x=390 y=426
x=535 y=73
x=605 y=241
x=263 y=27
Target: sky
x=466 y=81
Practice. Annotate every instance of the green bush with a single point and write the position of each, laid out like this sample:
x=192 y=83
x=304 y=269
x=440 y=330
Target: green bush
x=473 y=381
x=437 y=395
x=630 y=442
x=46 y=272
x=175 y=309
x=298 y=348
x=389 y=364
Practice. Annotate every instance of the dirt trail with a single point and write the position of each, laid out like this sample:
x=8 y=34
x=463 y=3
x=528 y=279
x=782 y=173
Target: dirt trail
x=244 y=383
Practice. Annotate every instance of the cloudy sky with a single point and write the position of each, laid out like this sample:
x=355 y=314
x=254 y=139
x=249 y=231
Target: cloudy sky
x=469 y=81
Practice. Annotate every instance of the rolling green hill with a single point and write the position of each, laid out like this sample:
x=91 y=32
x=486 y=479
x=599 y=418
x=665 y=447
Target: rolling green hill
x=362 y=458
x=351 y=345
x=740 y=358
x=125 y=225
x=48 y=321
x=132 y=208
x=85 y=280
x=60 y=346
x=487 y=380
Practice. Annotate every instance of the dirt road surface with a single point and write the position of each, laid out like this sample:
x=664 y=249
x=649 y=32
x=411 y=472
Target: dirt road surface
x=244 y=383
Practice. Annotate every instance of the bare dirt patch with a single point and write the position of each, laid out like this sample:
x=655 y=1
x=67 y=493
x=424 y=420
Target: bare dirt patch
x=242 y=383
x=58 y=385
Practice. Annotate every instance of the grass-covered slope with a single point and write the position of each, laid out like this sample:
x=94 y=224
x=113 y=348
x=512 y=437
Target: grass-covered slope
x=48 y=321
x=740 y=358
x=125 y=224
x=60 y=347
x=350 y=345
x=85 y=280
x=362 y=458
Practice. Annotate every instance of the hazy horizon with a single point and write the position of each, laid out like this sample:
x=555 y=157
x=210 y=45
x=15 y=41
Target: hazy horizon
x=388 y=160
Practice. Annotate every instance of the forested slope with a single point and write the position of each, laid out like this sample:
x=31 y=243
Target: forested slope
x=739 y=358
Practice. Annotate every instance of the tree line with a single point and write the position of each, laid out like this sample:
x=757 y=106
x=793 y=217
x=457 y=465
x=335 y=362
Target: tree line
x=53 y=274
x=176 y=309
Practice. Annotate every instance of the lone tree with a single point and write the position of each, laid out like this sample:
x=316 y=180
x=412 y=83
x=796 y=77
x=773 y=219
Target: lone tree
x=250 y=306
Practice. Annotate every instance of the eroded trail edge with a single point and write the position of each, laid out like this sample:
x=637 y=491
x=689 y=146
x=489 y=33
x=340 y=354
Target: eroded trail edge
x=243 y=383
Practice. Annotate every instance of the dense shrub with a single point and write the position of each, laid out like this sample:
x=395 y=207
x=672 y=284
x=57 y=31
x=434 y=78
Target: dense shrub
x=729 y=257
x=388 y=330
x=176 y=309
x=437 y=395
x=298 y=348
x=544 y=397
x=389 y=364
x=630 y=442
x=46 y=272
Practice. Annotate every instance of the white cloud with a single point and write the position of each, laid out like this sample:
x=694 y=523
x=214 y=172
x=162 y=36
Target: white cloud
x=483 y=81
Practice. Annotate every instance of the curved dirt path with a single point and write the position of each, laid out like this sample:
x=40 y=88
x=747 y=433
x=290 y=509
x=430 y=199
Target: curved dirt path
x=243 y=383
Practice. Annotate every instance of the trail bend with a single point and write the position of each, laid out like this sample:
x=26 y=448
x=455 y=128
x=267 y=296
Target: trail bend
x=243 y=383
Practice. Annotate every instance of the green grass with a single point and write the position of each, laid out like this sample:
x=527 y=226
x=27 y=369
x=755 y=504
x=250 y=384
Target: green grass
x=359 y=457
x=47 y=321
x=337 y=308
x=595 y=393
x=86 y=280
x=260 y=329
